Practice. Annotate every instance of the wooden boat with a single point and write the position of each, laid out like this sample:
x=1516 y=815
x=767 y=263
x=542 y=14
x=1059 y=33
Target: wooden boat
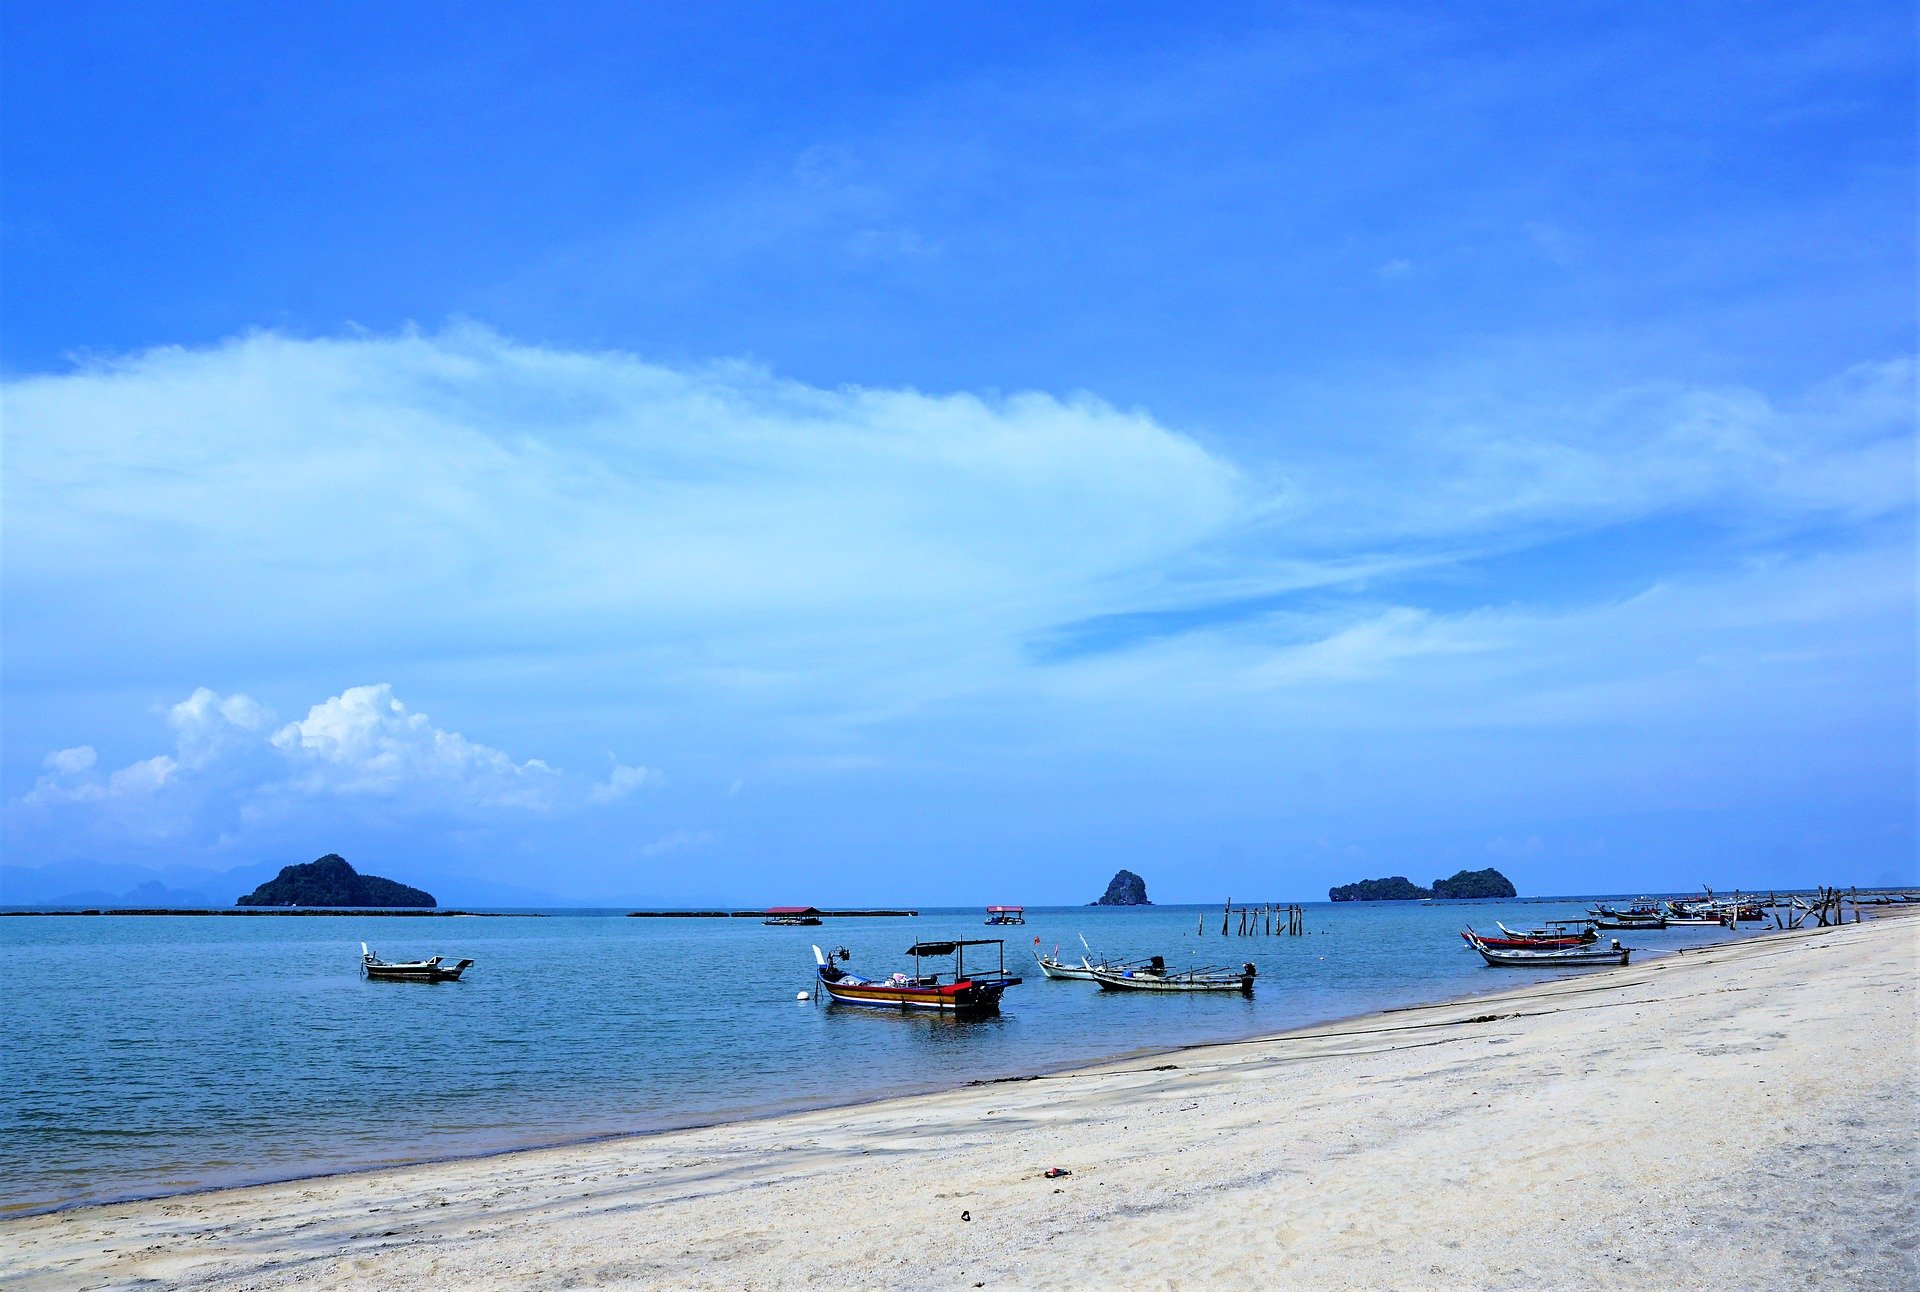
x=792 y=917
x=1054 y=967
x=1155 y=976
x=1550 y=936
x=1575 y=958
x=410 y=970
x=1006 y=915
x=1524 y=942
x=956 y=992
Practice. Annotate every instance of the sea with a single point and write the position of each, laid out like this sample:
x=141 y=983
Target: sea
x=156 y=1054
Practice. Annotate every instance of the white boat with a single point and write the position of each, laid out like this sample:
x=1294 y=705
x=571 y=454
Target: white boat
x=1577 y=958
x=409 y=970
x=1054 y=967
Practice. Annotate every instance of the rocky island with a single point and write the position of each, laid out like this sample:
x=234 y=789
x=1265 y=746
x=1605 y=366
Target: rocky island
x=330 y=881
x=1125 y=889
x=1398 y=888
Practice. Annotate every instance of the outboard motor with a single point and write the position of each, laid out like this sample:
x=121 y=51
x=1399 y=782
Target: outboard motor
x=1247 y=970
x=1158 y=964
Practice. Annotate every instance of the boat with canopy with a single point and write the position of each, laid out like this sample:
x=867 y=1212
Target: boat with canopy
x=952 y=992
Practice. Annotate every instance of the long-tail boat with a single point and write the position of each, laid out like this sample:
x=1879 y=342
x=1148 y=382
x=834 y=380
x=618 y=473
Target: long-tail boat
x=1525 y=941
x=955 y=992
x=410 y=970
x=1155 y=976
x=1571 y=958
x=1559 y=931
x=1644 y=916
x=1054 y=967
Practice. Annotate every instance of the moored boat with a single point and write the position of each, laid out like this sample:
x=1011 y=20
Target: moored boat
x=955 y=992
x=1006 y=915
x=410 y=970
x=1525 y=941
x=1054 y=967
x=1571 y=958
x=792 y=917
x=1155 y=976
x=1645 y=915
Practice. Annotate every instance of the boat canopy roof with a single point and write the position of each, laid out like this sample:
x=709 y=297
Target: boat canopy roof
x=793 y=910
x=948 y=948
x=995 y=910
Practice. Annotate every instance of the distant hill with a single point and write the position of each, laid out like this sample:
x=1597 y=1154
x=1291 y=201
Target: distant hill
x=330 y=881
x=1125 y=889
x=1394 y=888
x=1475 y=883
x=1398 y=888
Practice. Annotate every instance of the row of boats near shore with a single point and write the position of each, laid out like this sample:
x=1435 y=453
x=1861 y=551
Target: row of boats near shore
x=1558 y=944
x=1574 y=944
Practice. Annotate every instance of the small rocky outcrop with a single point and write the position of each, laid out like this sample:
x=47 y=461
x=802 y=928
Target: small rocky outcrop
x=1476 y=883
x=1125 y=889
x=330 y=881
x=1394 y=888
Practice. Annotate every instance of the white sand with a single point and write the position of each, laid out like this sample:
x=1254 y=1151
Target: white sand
x=1744 y=1117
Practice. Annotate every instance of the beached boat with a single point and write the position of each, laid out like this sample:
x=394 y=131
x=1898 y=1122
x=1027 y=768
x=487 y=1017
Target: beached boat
x=1006 y=915
x=1574 y=958
x=955 y=992
x=1155 y=976
x=410 y=970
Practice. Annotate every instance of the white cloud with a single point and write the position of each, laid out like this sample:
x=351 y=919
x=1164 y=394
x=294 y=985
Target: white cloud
x=361 y=745
x=678 y=841
x=622 y=781
x=71 y=762
x=366 y=742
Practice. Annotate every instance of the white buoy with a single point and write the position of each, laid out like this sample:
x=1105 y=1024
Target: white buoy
x=801 y=995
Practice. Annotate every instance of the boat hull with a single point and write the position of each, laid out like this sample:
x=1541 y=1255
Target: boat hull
x=1054 y=969
x=1184 y=983
x=1499 y=959
x=953 y=998
x=404 y=975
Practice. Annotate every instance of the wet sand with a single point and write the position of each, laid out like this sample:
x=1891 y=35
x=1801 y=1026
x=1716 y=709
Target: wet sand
x=1746 y=1116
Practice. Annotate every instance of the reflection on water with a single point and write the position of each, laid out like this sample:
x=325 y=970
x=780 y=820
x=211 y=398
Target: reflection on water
x=154 y=1054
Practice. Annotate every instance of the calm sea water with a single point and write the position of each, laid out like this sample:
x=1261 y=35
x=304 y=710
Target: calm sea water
x=153 y=1054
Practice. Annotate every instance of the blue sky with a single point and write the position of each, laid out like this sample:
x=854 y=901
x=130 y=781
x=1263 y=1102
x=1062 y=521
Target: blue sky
x=900 y=454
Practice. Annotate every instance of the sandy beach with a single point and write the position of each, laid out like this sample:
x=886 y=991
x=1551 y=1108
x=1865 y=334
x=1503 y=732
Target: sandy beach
x=1741 y=1117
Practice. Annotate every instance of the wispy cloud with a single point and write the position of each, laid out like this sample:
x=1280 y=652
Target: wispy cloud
x=782 y=580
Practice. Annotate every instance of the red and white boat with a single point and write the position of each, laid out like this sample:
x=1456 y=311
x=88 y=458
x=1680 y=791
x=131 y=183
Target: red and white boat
x=955 y=992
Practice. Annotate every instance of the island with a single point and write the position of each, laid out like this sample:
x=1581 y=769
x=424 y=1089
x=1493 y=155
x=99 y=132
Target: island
x=1475 y=883
x=1398 y=888
x=1125 y=889
x=330 y=881
x=1394 y=888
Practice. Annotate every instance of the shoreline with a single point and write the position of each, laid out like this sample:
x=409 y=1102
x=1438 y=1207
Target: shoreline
x=257 y=1230
x=723 y=1118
